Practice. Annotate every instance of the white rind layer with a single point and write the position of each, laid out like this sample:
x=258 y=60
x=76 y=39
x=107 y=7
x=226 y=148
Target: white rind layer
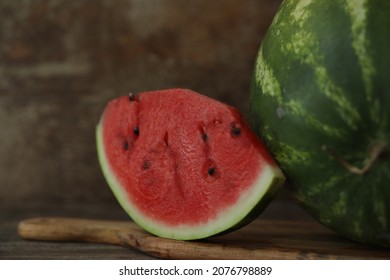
x=268 y=181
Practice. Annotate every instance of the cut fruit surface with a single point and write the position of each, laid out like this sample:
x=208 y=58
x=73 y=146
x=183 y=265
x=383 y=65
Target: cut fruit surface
x=183 y=165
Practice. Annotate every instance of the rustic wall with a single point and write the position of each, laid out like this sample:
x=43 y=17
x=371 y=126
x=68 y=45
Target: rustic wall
x=61 y=61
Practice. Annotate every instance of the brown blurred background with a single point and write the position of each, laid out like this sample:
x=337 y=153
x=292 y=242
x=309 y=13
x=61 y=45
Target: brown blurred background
x=61 y=61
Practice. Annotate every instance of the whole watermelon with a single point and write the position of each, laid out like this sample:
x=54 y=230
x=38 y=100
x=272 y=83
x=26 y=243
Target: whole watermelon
x=320 y=99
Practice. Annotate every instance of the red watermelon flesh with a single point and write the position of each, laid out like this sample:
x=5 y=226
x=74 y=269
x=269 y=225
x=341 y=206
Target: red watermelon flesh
x=183 y=165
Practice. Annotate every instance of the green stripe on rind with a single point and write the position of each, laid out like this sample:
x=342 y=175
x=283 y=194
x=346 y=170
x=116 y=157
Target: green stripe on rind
x=300 y=44
x=298 y=109
x=304 y=46
x=297 y=11
x=266 y=79
x=270 y=86
x=258 y=196
x=357 y=9
x=292 y=156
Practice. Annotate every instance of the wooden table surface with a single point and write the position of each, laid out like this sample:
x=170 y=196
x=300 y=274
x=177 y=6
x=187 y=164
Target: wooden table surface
x=13 y=247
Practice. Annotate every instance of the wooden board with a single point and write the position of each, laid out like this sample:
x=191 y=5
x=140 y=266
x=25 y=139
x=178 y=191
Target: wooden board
x=262 y=239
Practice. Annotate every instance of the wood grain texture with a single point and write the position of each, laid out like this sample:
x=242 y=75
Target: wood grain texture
x=263 y=239
x=12 y=247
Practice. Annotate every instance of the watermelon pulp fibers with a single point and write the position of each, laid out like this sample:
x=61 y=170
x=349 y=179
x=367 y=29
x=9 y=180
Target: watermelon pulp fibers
x=321 y=99
x=183 y=165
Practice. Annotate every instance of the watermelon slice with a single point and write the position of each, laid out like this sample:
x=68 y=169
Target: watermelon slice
x=183 y=165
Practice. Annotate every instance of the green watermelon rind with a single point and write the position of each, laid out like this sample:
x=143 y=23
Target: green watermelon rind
x=247 y=208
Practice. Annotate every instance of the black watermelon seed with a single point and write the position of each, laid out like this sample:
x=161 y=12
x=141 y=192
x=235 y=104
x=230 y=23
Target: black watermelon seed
x=236 y=131
x=136 y=130
x=126 y=145
x=202 y=131
x=212 y=171
x=146 y=165
x=131 y=97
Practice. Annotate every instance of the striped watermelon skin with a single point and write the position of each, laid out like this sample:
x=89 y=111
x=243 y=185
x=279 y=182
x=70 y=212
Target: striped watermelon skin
x=320 y=96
